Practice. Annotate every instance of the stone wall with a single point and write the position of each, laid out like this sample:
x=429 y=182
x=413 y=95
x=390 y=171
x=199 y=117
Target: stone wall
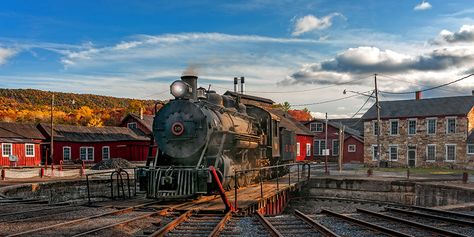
x=421 y=139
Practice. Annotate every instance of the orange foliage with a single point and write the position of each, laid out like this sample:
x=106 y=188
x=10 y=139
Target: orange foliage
x=300 y=115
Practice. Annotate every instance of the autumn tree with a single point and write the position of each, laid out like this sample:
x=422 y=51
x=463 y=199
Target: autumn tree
x=301 y=115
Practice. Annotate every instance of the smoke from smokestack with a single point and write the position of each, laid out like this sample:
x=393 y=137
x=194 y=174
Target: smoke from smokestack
x=191 y=70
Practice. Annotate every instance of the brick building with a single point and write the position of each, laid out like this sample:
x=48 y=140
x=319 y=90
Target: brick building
x=353 y=139
x=421 y=132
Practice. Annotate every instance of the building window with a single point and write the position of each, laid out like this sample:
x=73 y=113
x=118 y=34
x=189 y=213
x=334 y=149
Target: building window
x=335 y=147
x=470 y=149
x=351 y=148
x=319 y=147
x=393 y=152
x=29 y=150
x=450 y=152
x=298 y=149
x=132 y=125
x=87 y=153
x=316 y=127
x=393 y=127
x=411 y=126
x=375 y=127
x=105 y=153
x=67 y=153
x=374 y=152
x=431 y=126
x=7 y=149
x=431 y=152
x=451 y=125
x=308 y=149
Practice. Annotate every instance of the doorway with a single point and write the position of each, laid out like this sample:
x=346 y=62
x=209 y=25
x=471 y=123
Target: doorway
x=411 y=156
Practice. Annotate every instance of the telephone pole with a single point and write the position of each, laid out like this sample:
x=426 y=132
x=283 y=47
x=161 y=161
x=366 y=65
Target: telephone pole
x=52 y=130
x=325 y=147
x=379 y=125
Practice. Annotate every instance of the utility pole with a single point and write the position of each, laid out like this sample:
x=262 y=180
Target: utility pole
x=325 y=147
x=52 y=130
x=341 y=146
x=379 y=125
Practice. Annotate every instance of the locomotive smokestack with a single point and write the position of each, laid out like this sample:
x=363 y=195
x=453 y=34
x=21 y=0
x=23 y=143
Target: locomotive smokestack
x=242 y=81
x=236 y=81
x=192 y=81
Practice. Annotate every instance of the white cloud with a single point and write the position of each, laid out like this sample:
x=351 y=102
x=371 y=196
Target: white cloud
x=310 y=23
x=5 y=54
x=464 y=35
x=422 y=6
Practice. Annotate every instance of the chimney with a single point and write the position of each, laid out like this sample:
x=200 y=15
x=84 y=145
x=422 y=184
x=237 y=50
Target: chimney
x=472 y=92
x=236 y=81
x=418 y=95
x=141 y=113
x=242 y=81
x=192 y=81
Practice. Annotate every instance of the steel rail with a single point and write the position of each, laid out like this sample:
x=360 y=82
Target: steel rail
x=220 y=226
x=316 y=225
x=459 y=214
x=165 y=229
x=412 y=223
x=442 y=218
x=34 y=210
x=125 y=210
x=374 y=227
x=273 y=231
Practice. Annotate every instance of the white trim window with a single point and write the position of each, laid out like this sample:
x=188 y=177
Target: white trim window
x=308 y=149
x=393 y=152
x=375 y=128
x=29 y=150
x=87 y=153
x=411 y=126
x=7 y=149
x=351 y=148
x=431 y=152
x=450 y=152
x=319 y=147
x=335 y=147
x=298 y=149
x=374 y=152
x=105 y=153
x=66 y=153
x=394 y=127
x=450 y=125
x=470 y=149
x=316 y=127
x=132 y=125
x=431 y=126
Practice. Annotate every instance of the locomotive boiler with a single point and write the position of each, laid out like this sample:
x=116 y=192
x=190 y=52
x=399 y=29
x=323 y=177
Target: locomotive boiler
x=199 y=129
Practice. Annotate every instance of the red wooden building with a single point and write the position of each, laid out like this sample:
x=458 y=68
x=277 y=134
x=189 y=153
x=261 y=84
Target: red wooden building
x=93 y=144
x=353 y=139
x=20 y=142
x=144 y=124
x=304 y=137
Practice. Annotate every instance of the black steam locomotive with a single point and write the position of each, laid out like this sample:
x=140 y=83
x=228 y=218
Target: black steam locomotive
x=199 y=129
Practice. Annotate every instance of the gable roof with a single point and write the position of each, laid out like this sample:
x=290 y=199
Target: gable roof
x=19 y=132
x=290 y=123
x=250 y=97
x=71 y=133
x=147 y=120
x=442 y=106
x=351 y=126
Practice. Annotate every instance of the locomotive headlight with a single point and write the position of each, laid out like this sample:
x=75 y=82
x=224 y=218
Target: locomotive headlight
x=179 y=89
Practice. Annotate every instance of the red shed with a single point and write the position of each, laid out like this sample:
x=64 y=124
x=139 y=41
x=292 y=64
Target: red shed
x=143 y=123
x=20 y=142
x=353 y=139
x=93 y=144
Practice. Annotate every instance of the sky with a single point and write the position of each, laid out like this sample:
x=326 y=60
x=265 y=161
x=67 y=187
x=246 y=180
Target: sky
x=303 y=52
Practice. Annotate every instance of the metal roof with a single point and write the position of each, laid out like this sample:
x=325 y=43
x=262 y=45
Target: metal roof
x=147 y=120
x=290 y=123
x=19 y=132
x=250 y=97
x=442 y=106
x=93 y=134
x=351 y=126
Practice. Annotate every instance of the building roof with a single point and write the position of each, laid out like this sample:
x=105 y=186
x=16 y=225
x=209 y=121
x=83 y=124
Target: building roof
x=351 y=126
x=250 y=97
x=443 y=106
x=147 y=120
x=71 y=133
x=290 y=123
x=19 y=132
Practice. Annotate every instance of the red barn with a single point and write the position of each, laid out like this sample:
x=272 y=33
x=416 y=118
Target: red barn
x=144 y=124
x=93 y=144
x=353 y=139
x=20 y=142
x=304 y=137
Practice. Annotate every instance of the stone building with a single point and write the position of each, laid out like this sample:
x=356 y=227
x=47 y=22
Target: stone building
x=421 y=132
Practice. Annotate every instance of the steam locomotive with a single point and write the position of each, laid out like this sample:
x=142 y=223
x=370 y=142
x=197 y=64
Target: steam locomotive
x=200 y=128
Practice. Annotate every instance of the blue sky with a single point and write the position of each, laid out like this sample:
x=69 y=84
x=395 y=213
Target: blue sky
x=302 y=52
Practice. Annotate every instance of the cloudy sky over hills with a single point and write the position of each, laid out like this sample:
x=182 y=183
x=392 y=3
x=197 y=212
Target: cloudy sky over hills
x=303 y=52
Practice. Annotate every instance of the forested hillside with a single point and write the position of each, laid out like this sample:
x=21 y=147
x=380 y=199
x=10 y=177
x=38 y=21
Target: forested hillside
x=28 y=105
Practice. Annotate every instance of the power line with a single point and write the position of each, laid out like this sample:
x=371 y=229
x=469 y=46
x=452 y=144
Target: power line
x=428 y=89
x=326 y=101
x=414 y=83
x=368 y=98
